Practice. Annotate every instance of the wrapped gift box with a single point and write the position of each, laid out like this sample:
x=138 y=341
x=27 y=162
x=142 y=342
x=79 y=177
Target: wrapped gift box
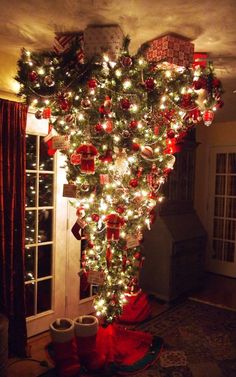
x=200 y=59
x=100 y=39
x=172 y=49
x=63 y=41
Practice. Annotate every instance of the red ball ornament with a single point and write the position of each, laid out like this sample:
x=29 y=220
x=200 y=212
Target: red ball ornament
x=133 y=182
x=108 y=126
x=137 y=255
x=46 y=113
x=64 y=105
x=95 y=217
x=90 y=244
x=92 y=83
x=199 y=84
x=146 y=152
x=156 y=130
x=133 y=124
x=208 y=117
x=33 y=76
x=126 y=61
x=171 y=134
x=69 y=118
x=186 y=101
x=120 y=209
x=85 y=103
x=216 y=83
x=135 y=147
x=98 y=127
x=125 y=104
x=149 y=83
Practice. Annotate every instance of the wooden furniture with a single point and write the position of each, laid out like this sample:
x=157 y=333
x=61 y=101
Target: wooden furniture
x=175 y=246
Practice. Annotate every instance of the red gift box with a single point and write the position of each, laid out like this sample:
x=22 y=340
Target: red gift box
x=172 y=49
x=63 y=42
x=200 y=59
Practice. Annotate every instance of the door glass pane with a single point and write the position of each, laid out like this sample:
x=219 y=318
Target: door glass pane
x=30 y=263
x=224 y=218
x=30 y=299
x=232 y=163
x=31 y=190
x=45 y=225
x=31 y=152
x=230 y=229
x=231 y=207
x=45 y=161
x=30 y=227
x=229 y=248
x=217 y=247
x=45 y=190
x=218 y=228
x=220 y=185
x=44 y=261
x=221 y=163
x=231 y=185
x=44 y=295
x=219 y=206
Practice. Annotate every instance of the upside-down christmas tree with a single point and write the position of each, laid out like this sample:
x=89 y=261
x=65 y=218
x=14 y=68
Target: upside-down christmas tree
x=118 y=122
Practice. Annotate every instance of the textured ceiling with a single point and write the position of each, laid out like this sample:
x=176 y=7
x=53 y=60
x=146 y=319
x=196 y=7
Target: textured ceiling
x=210 y=24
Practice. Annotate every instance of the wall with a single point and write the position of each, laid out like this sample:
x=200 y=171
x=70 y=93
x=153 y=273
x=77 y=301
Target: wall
x=218 y=134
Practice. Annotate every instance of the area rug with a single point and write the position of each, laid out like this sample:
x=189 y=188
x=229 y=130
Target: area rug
x=200 y=341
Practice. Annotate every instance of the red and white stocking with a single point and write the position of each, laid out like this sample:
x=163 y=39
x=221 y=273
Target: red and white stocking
x=86 y=328
x=64 y=346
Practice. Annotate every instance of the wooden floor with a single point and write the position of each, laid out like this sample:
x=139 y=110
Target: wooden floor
x=218 y=290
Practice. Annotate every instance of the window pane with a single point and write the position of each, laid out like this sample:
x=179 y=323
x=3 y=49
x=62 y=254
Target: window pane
x=232 y=163
x=218 y=228
x=219 y=207
x=231 y=207
x=217 y=249
x=221 y=163
x=229 y=251
x=220 y=185
x=45 y=190
x=30 y=263
x=44 y=295
x=44 y=261
x=231 y=185
x=30 y=225
x=45 y=161
x=30 y=299
x=30 y=190
x=31 y=152
x=230 y=229
x=45 y=225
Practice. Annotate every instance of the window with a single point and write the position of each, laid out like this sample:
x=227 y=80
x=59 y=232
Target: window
x=39 y=226
x=224 y=215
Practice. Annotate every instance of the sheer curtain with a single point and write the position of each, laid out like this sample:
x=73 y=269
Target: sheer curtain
x=12 y=221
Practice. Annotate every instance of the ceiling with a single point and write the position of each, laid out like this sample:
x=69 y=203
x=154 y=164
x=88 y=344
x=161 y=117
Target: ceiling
x=210 y=24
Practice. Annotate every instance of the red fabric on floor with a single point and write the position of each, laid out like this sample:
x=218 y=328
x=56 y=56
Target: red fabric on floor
x=122 y=346
x=137 y=308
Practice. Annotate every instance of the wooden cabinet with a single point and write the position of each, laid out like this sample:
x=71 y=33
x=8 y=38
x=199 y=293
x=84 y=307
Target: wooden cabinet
x=175 y=246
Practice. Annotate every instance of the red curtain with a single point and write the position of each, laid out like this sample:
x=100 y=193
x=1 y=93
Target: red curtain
x=12 y=221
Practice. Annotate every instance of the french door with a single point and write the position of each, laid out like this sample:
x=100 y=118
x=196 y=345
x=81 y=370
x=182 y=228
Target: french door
x=52 y=254
x=222 y=211
x=46 y=232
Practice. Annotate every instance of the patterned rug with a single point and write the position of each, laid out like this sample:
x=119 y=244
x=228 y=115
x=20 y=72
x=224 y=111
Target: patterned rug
x=200 y=341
